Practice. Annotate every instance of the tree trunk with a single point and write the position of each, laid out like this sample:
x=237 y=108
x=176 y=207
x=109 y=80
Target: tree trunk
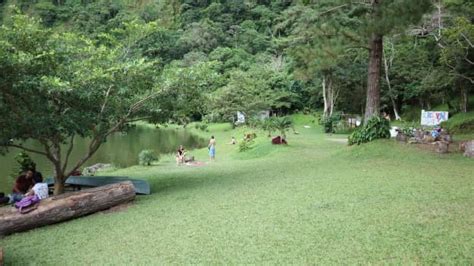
x=58 y=187
x=372 y=107
x=464 y=99
x=394 y=105
x=59 y=180
x=67 y=206
x=329 y=96
x=326 y=104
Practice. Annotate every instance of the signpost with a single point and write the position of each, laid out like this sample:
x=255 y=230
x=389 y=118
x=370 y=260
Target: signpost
x=433 y=118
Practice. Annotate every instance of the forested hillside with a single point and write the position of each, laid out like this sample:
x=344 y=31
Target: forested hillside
x=212 y=58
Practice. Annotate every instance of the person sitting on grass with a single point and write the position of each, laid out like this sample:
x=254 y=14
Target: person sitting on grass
x=39 y=189
x=22 y=184
x=180 y=155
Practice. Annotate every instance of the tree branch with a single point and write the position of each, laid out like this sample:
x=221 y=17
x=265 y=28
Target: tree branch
x=332 y=9
x=96 y=141
x=105 y=101
x=467 y=40
x=26 y=149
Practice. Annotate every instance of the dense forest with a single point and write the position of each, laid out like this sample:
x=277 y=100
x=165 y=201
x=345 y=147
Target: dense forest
x=85 y=68
x=213 y=58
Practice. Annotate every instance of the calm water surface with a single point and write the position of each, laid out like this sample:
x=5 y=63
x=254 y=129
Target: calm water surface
x=121 y=149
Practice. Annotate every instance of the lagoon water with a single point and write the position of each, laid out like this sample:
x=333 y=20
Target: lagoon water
x=121 y=150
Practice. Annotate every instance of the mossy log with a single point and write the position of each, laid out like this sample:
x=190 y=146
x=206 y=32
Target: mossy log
x=65 y=207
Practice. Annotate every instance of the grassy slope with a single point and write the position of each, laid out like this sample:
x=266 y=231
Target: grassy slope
x=315 y=201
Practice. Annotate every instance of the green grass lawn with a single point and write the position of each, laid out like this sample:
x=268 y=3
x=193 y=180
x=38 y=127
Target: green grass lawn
x=316 y=201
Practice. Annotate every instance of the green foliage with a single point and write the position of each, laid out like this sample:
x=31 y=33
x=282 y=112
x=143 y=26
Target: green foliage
x=60 y=85
x=246 y=145
x=462 y=123
x=375 y=128
x=146 y=157
x=24 y=162
x=343 y=127
x=268 y=125
x=282 y=124
x=330 y=123
x=407 y=128
x=202 y=126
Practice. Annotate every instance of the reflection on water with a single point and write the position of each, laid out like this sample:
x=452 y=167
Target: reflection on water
x=121 y=149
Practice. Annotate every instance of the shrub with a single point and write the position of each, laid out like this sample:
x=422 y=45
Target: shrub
x=246 y=145
x=407 y=129
x=282 y=124
x=254 y=122
x=25 y=162
x=268 y=125
x=461 y=123
x=201 y=126
x=343 y=127
x=147 y=156
x=376 y=128
x=329 y=123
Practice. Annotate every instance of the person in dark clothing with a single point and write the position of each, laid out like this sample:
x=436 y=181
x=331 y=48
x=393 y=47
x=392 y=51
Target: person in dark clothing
x=23 y=183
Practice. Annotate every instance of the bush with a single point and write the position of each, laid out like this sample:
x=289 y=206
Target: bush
x=329 y=123
x=407 y=129
x=376 y=128
x=253 y=122
x=461 y=123
x=201 y=126
x=343 y=127
x=147 y=156
x=246 y=145
x=268 y=125
x=25 y=162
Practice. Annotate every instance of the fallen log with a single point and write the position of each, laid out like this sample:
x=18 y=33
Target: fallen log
x=65 y=207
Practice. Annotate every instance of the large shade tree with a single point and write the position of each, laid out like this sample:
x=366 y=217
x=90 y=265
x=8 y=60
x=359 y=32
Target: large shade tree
x=55 y=87
x=367 y=21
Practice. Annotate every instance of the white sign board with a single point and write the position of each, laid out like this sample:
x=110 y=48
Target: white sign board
x=240 y=118
x=433 y=118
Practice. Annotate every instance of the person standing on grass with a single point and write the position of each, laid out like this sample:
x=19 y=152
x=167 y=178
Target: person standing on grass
x=180 y=155
x=212 y=148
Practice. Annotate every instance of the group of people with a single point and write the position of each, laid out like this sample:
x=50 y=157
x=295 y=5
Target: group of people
x=29 y=183
x=181 y=152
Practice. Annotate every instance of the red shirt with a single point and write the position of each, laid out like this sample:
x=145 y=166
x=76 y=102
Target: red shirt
x=23 y=184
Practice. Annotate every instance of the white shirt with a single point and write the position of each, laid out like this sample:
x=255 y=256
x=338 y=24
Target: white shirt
x=41 y=190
